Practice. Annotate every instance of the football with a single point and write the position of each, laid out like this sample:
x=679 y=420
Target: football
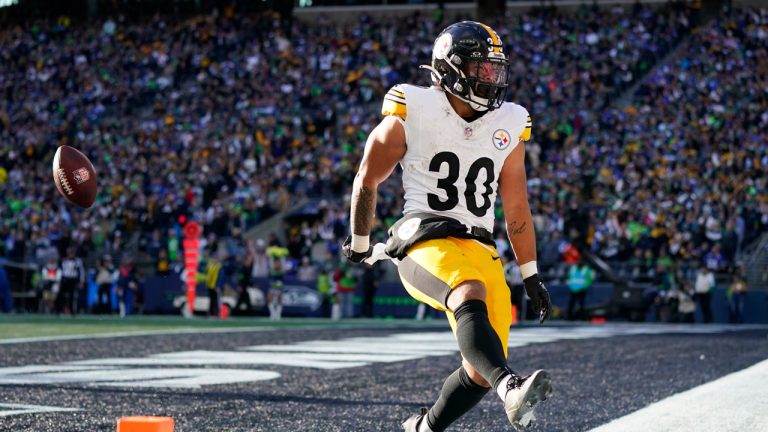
x=74 y=176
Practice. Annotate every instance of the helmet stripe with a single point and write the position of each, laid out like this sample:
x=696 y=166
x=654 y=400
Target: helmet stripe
x=493 y=36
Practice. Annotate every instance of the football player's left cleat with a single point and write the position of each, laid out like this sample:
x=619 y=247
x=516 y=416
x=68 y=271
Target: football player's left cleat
x=413 y=422
x=522 y=396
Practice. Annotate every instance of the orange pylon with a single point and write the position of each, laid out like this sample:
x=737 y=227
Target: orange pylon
x=145 y=424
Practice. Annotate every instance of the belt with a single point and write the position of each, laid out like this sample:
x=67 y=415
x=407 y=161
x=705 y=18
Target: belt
x=481 y=233
x=430 y=227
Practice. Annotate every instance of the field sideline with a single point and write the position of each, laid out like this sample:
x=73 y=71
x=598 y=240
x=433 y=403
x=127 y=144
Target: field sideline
x=23 y=326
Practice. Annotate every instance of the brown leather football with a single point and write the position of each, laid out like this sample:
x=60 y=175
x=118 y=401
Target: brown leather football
x=74 y=176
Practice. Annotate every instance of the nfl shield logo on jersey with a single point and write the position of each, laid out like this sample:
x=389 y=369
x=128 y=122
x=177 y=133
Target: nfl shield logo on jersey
x=501 y=139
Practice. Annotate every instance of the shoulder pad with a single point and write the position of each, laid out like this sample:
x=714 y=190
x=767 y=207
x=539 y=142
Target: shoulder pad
x=394 y=103
x=526 y=135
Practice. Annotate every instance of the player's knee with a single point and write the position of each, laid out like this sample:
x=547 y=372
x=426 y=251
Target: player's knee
x=474 y=375
x=469 y=290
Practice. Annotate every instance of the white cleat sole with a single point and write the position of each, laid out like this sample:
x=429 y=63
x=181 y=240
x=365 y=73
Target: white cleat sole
x=537 y=388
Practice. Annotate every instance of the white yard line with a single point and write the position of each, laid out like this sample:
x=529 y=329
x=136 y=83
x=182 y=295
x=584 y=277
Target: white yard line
x=133 y=333
x=734 y=403
x=8 y=409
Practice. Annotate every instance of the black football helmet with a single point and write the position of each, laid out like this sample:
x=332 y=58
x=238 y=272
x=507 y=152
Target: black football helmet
x=468 y=61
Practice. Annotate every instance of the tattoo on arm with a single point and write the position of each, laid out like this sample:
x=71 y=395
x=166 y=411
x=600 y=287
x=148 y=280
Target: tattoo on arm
x=513 y=229
x=363 y=207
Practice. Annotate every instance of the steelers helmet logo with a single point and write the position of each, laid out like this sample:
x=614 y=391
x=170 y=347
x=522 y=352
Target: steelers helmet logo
x=501 y=139
x=442 y=46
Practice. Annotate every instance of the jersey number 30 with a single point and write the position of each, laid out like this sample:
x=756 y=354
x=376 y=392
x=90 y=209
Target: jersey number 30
x=448 y=184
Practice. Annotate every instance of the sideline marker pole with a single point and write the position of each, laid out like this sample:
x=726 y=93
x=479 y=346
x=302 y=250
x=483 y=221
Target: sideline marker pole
x=191 y=259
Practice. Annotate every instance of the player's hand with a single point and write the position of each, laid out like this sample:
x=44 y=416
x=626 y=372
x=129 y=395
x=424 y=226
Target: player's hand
x=539 y=296
x=351 y=255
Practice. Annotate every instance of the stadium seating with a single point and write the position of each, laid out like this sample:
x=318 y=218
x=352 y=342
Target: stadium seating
x=227 y=120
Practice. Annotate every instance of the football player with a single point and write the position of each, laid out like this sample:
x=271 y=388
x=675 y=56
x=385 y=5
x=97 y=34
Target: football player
x=459 y=144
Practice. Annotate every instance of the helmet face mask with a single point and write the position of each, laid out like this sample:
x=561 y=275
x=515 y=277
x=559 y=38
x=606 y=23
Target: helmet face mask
x=468 y=61
x=487 y=78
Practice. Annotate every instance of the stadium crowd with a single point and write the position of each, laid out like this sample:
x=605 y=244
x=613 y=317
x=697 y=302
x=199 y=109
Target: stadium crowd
x=227 y=119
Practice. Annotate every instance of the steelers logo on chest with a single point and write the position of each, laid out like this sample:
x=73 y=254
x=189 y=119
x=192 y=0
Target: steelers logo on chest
x=501 y=139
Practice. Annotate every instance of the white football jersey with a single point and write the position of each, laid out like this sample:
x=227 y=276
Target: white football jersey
x=451 y=167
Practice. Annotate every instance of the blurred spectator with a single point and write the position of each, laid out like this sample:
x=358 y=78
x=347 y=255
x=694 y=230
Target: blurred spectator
x=173 y=246
x=307 y=271
x=345 y=284
x=580 y=278
x=325 y=289
x=155 y=244
x=6 y=299
x=736 y=293
x=127 y=287
x=72 y=283
x=370 y=283
x=275 y=294
x=51 y=280
x=714 y=259
x=666 y=301
x=244 y=283
x=163 y=264
x=549 y=254
x=260 y=266
x=704 y=286
x=214 y=278
x=106 y=277
x=686 y=308
x=571 y=255
x=278 y=261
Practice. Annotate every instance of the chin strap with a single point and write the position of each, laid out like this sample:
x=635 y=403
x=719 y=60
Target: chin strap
x=435 y=74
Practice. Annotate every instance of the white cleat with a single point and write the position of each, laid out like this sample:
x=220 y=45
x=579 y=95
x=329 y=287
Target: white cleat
x=522 y=396
x=413 y=422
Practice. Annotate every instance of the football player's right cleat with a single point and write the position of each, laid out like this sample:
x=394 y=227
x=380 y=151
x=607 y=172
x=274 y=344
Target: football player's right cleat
x=522 y=396
x=413 y=422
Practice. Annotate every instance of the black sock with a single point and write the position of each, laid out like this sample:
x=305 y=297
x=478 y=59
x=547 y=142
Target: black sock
x=478 y=342
x=459 y=395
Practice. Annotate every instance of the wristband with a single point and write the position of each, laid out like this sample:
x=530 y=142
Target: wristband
x=528 y=269
x=360 y=243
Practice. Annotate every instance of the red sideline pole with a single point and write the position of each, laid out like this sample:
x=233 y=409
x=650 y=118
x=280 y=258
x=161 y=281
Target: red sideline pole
x=191 y=261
